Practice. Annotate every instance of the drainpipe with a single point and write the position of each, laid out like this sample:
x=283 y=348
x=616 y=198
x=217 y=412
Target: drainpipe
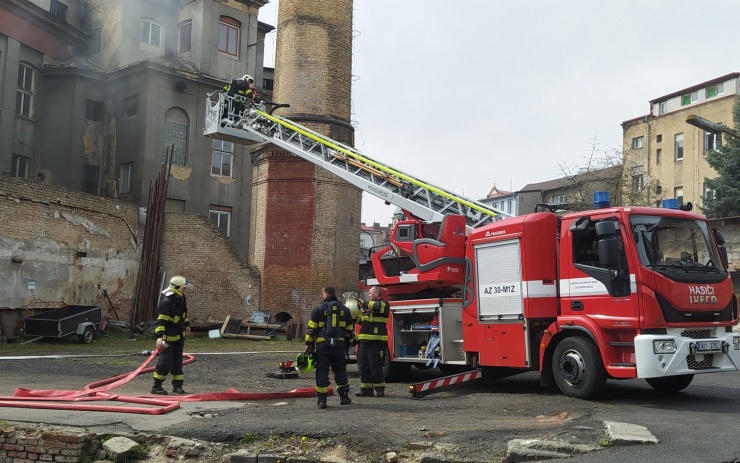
x=647 y=156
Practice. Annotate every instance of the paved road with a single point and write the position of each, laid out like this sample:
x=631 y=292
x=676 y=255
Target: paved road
x=699 y=425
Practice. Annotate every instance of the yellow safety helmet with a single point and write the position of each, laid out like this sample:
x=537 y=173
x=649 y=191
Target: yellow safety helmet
x=178 y=282
x=304 y=363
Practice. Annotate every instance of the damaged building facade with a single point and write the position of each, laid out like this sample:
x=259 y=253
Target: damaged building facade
x=92 y=92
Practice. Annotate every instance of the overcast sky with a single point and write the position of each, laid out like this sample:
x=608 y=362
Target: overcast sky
x=473 y=93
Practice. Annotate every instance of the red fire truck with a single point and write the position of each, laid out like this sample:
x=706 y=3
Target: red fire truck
x=615 y=292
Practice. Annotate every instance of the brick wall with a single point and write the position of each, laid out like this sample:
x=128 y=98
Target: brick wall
x=222 y=284
x=20 y=445
x=60 y=247
x=304 y=219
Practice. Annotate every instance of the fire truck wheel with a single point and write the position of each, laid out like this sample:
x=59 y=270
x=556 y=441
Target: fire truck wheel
x=670 y=384
x=577 y=368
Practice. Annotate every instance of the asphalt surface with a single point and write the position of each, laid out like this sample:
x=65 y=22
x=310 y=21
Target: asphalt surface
x=474 y=422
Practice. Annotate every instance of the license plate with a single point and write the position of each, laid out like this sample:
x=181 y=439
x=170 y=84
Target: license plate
x=705 y=346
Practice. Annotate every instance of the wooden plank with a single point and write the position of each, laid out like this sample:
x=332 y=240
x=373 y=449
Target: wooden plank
x=265 y=326
x=246 y=336
x=231 y=326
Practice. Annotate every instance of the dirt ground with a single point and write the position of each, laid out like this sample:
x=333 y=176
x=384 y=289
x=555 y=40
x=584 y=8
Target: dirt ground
x=471 y=423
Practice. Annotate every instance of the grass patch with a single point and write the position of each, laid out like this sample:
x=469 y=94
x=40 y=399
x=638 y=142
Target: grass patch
x=250 y=439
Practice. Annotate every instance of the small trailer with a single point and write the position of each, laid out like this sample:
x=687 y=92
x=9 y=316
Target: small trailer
x=83 y=320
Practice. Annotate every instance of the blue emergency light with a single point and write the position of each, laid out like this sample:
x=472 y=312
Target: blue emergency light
x=671 y=203
x=601 y=199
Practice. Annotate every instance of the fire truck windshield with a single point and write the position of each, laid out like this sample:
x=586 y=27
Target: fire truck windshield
x=668 y=245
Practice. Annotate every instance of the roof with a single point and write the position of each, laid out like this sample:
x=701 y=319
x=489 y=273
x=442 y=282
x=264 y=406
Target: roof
x=608 y=172
x=496 y=192
x=708 y=83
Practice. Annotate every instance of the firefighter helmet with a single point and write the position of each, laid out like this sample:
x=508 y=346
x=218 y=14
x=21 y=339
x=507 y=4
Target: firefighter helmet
x=304 y=362
x=178 y=282
x=247 y=78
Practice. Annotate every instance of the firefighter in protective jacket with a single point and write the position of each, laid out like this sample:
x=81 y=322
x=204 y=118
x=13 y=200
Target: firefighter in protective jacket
x=373 y=339
x=171 y=328
x=329 y=328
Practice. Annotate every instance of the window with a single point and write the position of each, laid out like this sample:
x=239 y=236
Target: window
x=637 y=179
x=678 y=194
x=19 y=166
x=711 y=92
x=658 y=154
x=124 y=178
x=559 y=199
x=690 y=98
x=228 y=35
x=150 y=32
x=267 y=84
x=678 y=145
x=510 y=206
x=712 y=141
x=131 y=106
x=58 y=9
x=95 y=110
x=658 y=138
x=177 y=135
x=222 y=156
x=24 y=95
x=185 y=32
x=90 y=178
x=662 y=107
x=221 y=217
x=709 y=193
x=586 y=244
x=638 y=142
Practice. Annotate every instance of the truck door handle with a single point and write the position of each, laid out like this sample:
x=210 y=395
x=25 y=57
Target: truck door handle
x=576 y=305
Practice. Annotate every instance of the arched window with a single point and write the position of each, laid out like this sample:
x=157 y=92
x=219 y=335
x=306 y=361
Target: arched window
x=228 y=35
x=176 y=126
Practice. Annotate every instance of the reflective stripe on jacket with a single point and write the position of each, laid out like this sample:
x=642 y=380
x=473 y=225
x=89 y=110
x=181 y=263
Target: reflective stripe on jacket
x=172 y=318
x=317 y=323
x=373 y=326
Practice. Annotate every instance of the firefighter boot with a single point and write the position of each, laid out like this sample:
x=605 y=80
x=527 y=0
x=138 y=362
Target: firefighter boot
x=321 y=400
x=177 y=389
x=344 y=397
x=364 y=393
x=379 y=392
x=158 y=389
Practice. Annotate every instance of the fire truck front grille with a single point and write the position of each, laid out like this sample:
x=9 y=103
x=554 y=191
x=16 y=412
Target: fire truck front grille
x=699 y=334
x=705 y=363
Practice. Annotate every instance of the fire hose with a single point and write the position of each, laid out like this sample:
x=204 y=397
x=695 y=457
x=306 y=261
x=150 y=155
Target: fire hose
x=56 y=399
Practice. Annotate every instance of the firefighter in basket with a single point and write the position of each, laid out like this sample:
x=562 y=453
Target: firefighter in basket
x=243 y=92
x=329 y=328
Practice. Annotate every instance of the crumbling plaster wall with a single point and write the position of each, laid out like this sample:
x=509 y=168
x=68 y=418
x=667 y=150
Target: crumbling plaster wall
x=60 y=247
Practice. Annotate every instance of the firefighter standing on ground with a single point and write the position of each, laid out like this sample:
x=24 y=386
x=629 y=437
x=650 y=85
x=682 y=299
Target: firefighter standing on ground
x=373 y=339
x=171 y=328
x=328 y=329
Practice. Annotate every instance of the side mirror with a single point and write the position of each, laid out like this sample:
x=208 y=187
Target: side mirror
x=718 y=237
x=608 y=252
x=605 y=228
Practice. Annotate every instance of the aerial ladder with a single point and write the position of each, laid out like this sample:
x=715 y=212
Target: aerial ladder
x=228 y=119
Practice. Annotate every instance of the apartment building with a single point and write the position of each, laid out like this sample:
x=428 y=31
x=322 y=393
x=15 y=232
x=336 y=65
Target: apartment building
x=92 y=92
x=664 y=156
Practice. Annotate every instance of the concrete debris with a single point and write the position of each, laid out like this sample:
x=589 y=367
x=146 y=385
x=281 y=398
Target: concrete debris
x=628 y=434
x=535 y=450
x=119 y=449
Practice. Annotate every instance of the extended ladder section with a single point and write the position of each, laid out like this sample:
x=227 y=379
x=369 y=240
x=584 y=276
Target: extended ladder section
x=425 y=201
